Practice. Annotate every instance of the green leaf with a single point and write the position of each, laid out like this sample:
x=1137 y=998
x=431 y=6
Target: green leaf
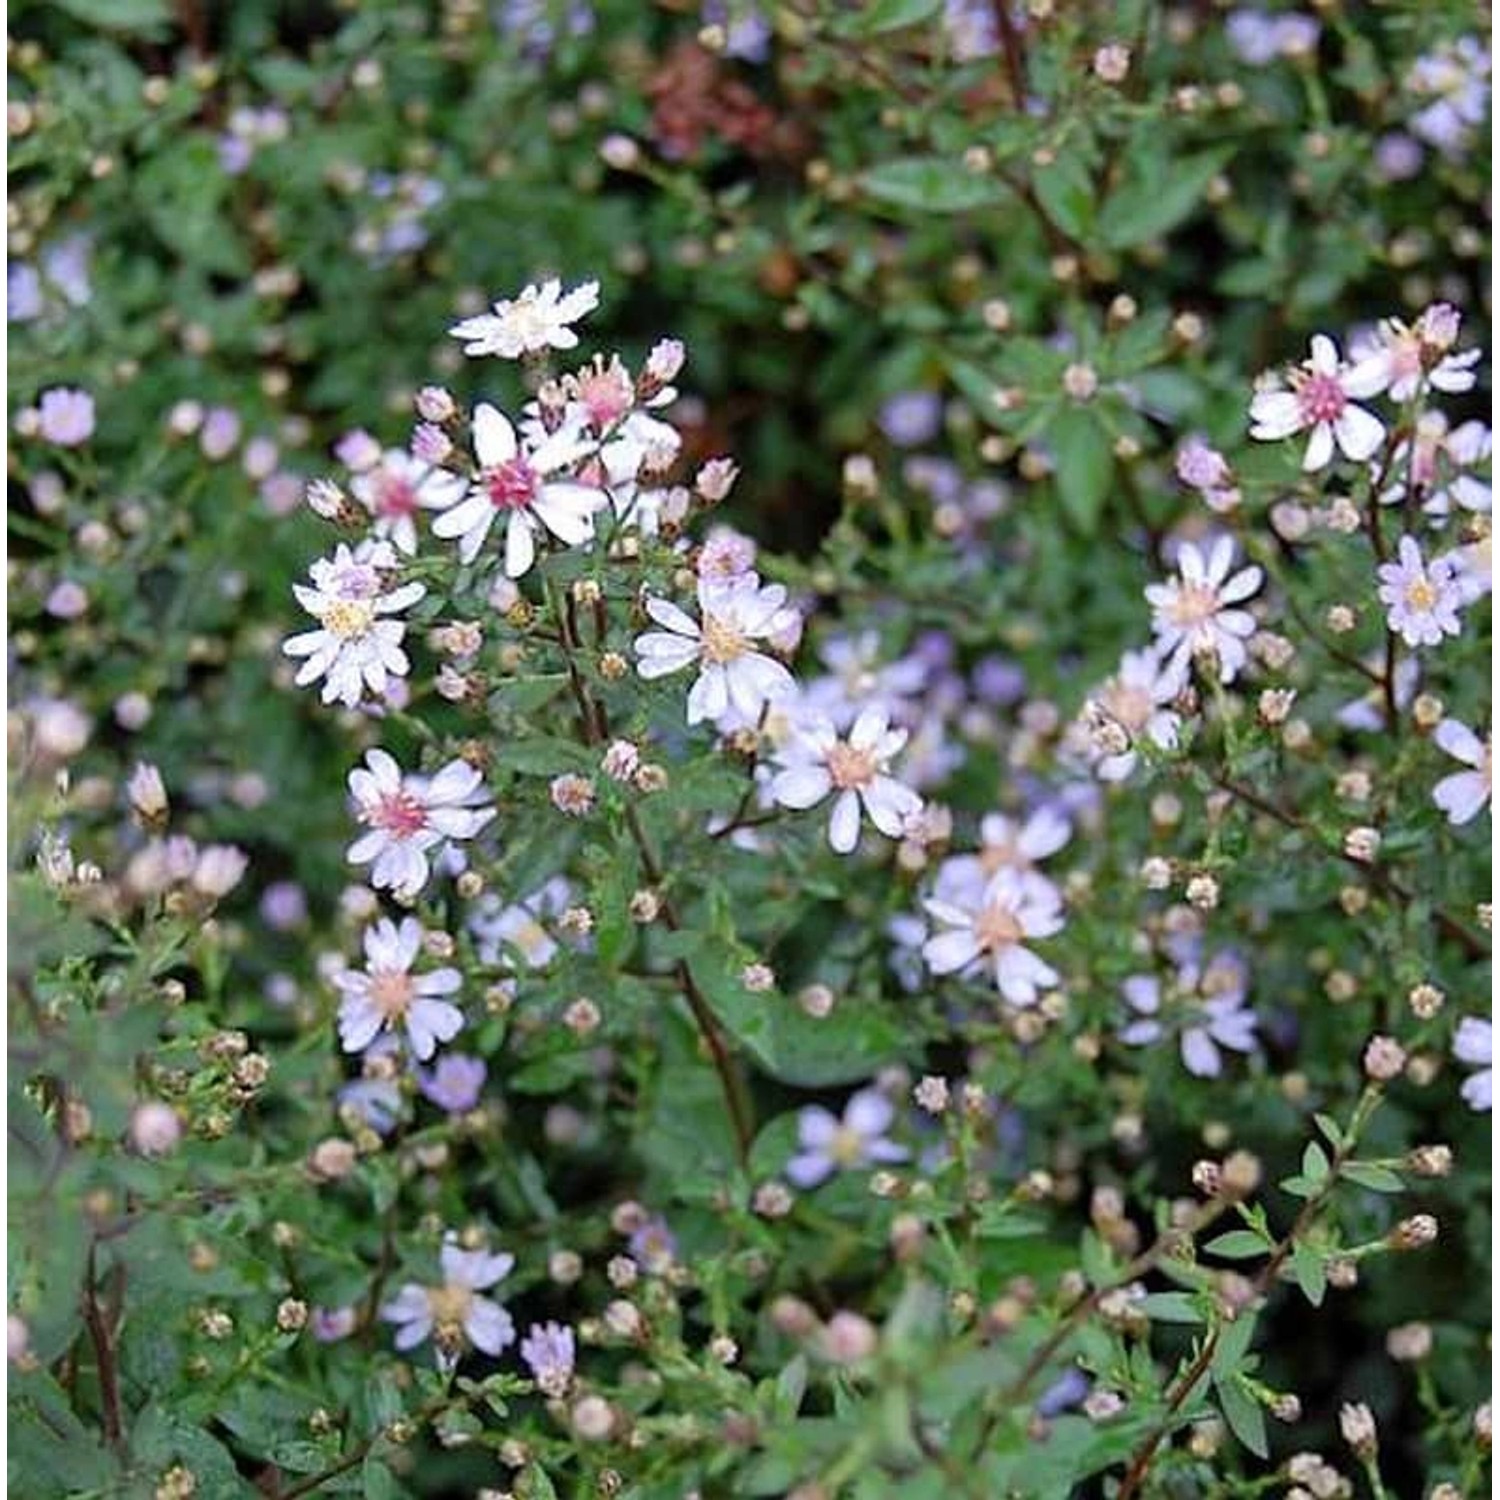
x=1156 y=196
x=889 y=15
x=1237 y=1244
x=1066 y=191
x=119 y=15
x=1085 y=464
x=180 y=192
x=1172 y=1307
x=1315 y=1163
x=1243 y=1414
x=1233 y=1345
x=1371 y=1175
x=1330 y=1127
x=1311 y=1273
x=931 y=184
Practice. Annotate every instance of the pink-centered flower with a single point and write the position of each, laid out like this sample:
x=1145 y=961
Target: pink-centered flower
x=522 y=485
x=387 y=997
x=396 y=488
x=409 y=818
x=1321 y=401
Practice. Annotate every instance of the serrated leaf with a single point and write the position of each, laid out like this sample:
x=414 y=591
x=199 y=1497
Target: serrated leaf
x=932 y=185
x=1243 y=1414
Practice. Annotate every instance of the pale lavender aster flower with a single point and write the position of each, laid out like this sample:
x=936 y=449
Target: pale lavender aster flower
x=830 y=1145
x=1465 y=794
x=454 y=1315
x=66 y=416
x=549 y=1352
x=1473 y=1045
x=1422 y=598
x=454 y=1082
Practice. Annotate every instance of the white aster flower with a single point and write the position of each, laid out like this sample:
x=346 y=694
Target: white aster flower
x=355 y=646
x=454 y=1315
x=1128 y=709
x=988 y=927
x=518 y=483
x=731 y=674
x=1322 y=400
x=396 y=487
x=1422 y=598
x=816 y=762
x=385 y=996
x=411 y=817
x=1193 y=614
x=1464 y=794
x=537 y=319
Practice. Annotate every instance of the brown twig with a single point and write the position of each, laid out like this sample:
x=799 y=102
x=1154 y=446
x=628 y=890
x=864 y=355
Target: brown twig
x=102 y=1338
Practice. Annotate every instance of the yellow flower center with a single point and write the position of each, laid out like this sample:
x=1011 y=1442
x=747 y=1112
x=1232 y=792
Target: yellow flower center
x=449 y=1305
x=349 y=618
x=1193 y=604
x=723 y=640
x=1420 y=594
x=846 y=1147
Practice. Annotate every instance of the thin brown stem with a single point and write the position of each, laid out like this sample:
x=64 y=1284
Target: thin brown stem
x=102 y=1338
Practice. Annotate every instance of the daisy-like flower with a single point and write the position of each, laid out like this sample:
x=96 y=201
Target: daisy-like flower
x=817 y=761
x=1129 y=708
x=731 y=673
x=829 y=1144
x=1321 y=401
x=454 y=1315
x=1422 y=598
x=503 y=932
x=989 y=927
x=1463 y=795
x=396 y=487
x=520 y=484
x=1207 y=1003
x=411 y=818
x=356 y=646
x=1473 y=1045
x=537 y=319
x=385 y=996
x=1193 y=614
x=1418 y=355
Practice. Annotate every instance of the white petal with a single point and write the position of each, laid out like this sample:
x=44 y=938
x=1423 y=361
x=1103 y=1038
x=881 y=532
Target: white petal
x=494 y=437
